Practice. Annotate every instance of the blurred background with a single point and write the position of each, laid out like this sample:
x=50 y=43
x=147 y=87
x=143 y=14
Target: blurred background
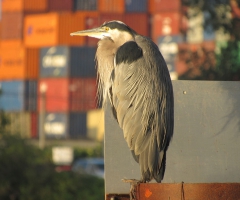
x=51 y=122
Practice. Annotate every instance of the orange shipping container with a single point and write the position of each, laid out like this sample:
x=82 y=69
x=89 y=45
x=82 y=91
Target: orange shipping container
x=54 y=28
x=111 y=6
x=19 y=63
x=24 y=5
x=11 y=43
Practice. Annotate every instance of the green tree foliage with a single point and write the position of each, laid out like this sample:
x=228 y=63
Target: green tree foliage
x=27 y=173
x=223 y=62
x=3 y=121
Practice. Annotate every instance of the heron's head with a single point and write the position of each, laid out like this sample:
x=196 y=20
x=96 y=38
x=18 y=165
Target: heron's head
x=116 y=30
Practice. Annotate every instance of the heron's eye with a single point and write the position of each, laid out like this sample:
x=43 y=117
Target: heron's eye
x=107 y=28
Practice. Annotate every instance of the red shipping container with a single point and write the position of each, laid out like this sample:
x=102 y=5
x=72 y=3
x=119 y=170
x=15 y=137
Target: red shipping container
x=133 y=19
x=83 y=94
x=74 y=94
x=167 y=23
x=12 y=25
x=110 y=17
x=60 y=5
x=155 y=6
x=34 y=125
x=56 y=94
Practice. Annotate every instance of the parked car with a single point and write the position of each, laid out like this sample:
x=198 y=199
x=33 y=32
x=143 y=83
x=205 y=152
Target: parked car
x=92 y=166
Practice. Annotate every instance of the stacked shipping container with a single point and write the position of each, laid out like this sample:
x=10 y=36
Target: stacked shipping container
x=37 y=51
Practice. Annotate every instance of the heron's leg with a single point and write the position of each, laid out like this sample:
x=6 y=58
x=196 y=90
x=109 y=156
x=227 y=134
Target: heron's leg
x=133 y=184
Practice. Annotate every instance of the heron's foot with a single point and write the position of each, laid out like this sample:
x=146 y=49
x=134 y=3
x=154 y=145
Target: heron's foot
x=133 y=184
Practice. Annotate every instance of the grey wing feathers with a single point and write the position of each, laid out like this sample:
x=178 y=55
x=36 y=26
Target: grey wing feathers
x=141 y=95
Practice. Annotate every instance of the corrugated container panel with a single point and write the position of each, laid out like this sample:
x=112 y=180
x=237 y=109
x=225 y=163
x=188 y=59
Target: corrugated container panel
x=111 y=6
x=12 y=25
x=95 y=124
x=32 y=60
x=56 y=125
x=133 y=19
x=76 y=94
x=19 y=63
x=41 y=30
x=60 y=5
x=24 y=5
x=34 y=124
x=54 y=61
x=20 y=123
x=12 y=5
x=57 y=94
x=77 y=125
x=63 y=61
x=0 y=29
x=136 y=6
x=35 y=6
x=167 y=23
x=75 y=22
x=195 y=26
x=53 y=29
x=11 y=43
x=83 y=94
x=18 y=95
x=155 y=6
x=82 y=62
x=85 y=5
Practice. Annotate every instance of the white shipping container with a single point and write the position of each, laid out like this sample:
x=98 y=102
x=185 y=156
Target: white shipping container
x=62 y=155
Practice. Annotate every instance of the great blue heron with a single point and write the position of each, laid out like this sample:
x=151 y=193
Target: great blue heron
x=134 y=76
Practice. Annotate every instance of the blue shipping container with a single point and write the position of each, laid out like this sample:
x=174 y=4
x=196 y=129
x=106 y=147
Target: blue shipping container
x=168 y=45
x=18 y=95
x=63 y=61
x=65 y=125
x=85 y=5
x=56 y=125
x=136 y=5
x=78 y=125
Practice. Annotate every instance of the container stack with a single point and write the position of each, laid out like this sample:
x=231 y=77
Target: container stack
x=36 y=50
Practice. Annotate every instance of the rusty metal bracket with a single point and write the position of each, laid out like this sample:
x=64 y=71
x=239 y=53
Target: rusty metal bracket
x=183 y=191
x=189 y=191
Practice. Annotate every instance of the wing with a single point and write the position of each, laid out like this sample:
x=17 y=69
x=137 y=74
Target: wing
x=142 y=100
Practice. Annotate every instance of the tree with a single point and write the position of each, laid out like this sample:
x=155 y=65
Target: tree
x=28 y=173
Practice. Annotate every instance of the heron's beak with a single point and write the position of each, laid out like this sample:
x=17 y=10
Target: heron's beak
x=95 y=32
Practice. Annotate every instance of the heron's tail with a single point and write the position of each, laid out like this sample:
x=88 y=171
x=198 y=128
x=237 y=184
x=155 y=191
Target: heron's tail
x=159 y=174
